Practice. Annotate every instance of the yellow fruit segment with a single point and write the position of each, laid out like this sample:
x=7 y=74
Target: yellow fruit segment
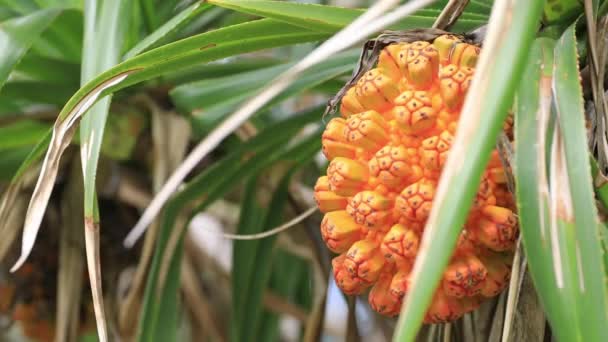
x=340 y=231
x=346 y=176
x=334 y=142
x=386 y=154
x=326 y=199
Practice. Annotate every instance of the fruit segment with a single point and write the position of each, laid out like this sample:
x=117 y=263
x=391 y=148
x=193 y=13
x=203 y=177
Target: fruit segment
x=333 y=140
x=376 y=91
x=434 y=150
x=370 y=209
x=386 y=155
x=381 y=299
x=347 y=176
x=414 y=112
x=364 y=261
x=390 y=165
x=366 y=130
x=339 y=231
x=326 y=199
x=400 y=244
x=414 y=202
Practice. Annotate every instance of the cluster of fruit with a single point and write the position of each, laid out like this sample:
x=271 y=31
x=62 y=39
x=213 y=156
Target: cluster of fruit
x=386 y=154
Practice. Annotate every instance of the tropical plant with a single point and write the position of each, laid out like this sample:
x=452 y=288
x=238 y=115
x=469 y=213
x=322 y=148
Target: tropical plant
x=184 y=139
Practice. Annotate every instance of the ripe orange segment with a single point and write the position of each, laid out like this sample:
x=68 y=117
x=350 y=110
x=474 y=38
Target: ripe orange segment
x=387 y=153
x=423 y=63
x=496 y=229
x=400 y=282
x=364 y=261
x=400 y=244
x=435 y=150
x=370 y=209
x=453 y=84
x=381 y=299
x=499 y=270
x=414 y=203
x=464 y=277
x=347 y=282
x=392 y=60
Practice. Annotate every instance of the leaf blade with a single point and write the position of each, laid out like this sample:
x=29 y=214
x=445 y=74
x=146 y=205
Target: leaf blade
x=534 y=96
x=323 y=18
x=585 y=221
x=17 y=36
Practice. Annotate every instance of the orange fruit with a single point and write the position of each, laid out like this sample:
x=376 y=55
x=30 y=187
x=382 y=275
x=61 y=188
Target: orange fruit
x=386 y=154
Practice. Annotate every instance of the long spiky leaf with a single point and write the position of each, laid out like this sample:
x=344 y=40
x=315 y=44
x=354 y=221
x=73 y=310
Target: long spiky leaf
x=592 y=297
x=532 y=128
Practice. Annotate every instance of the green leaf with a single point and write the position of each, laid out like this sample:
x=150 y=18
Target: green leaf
x=479 y=6
x=167 y=29
x=327 y=18
x=311 y=16
x=63 y=39
x=24 y=133
x=105 y=33
x=76 y=4
x=49 y=70
x=470 y=154
x=37 y=93
x=10 y=161
x=17 y=36
x=24 y=7
x=217 y=70
x=205 y=47
x=289 y=279
x=254 y=258
x=210 y=100
x=530 y=172
x=562 y=10
x=212 y=183
x=585 y=226
x=156 y=12
x=7 y=13
x=244 y=271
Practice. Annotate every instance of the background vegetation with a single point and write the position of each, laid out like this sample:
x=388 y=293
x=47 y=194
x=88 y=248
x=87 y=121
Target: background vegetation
x=106 y=106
